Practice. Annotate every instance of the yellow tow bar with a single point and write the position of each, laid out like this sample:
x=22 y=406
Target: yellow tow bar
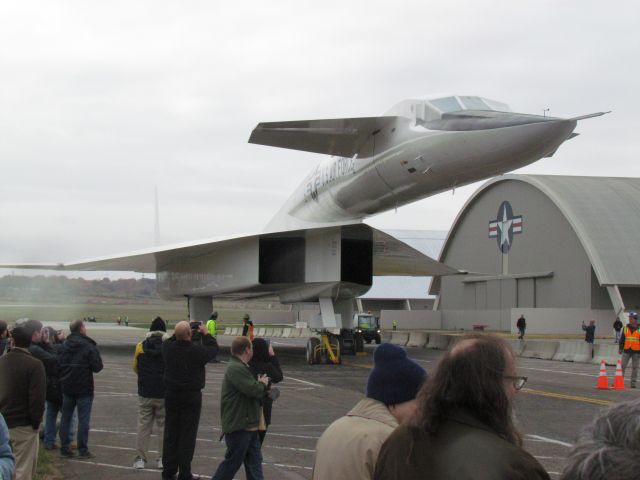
x=327 y=345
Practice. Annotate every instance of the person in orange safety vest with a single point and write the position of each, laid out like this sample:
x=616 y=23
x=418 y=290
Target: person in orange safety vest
x=629 y=347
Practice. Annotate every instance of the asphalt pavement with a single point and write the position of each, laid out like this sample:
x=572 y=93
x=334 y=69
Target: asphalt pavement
x=559 y=398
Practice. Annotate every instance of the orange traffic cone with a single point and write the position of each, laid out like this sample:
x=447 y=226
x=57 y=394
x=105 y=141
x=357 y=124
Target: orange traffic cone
x=618 y=382
x=603 y=382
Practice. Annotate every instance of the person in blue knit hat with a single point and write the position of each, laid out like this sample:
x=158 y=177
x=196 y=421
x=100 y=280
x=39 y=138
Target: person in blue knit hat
x=349 y=447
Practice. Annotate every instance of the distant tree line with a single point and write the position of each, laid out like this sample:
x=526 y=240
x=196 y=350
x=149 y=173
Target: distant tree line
x=53 y=288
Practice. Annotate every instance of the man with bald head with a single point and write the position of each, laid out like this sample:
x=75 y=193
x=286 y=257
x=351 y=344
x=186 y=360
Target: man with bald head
x=184 y=378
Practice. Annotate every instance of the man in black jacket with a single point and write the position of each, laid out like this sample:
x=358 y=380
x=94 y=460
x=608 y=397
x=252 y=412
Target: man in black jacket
x=42 y=350
x=184 y=378
x=79 y=360
x=149 y=366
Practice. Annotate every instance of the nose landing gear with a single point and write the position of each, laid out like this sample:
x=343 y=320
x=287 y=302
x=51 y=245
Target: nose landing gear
x=325 y=349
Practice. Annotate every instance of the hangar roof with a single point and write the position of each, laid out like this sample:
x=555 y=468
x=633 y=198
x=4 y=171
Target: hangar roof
x=604 y=212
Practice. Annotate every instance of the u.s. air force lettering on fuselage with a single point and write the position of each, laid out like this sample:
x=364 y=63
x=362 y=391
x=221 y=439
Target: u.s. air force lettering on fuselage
x=328 y=172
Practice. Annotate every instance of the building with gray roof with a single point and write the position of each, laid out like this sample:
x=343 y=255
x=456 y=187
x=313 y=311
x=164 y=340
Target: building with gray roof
x=558 y=249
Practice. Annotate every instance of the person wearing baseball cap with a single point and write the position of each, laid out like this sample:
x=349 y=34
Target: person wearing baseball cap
x=349 y=447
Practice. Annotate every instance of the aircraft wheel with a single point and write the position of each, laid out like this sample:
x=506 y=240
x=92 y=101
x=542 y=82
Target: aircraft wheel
x=312 y=351
x=378 y=340
x=359 y=344
x=368 y=340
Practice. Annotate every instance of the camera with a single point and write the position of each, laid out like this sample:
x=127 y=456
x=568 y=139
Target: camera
x=195 y=325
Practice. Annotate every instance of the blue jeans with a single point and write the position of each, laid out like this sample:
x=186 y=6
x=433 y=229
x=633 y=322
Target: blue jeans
x=242 y=447
x=69 y=404
x=50 y=427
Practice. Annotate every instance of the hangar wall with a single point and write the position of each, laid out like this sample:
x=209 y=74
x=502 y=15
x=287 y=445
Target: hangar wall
x=546 y=271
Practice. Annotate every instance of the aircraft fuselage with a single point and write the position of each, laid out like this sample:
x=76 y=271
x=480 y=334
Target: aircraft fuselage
x=410 y=160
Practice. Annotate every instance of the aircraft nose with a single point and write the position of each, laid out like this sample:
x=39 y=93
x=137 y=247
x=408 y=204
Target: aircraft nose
x=481 y=120
x=541 y=139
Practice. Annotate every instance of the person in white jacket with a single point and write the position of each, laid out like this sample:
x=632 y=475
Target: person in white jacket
x=348 y=449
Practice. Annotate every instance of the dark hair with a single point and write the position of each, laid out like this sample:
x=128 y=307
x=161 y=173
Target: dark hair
x=53 y=335
x=239 y=345
x=608 y=447
x=21 y=336
x=470 y=377
x=3 y=326
x=32 y=326
x=75 y=326
x=260 y=350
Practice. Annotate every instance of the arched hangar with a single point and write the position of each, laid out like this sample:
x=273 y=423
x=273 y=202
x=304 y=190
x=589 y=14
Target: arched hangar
x=558 y=249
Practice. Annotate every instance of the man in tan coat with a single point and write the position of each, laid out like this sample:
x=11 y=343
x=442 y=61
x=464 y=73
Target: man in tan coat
x=349 y=448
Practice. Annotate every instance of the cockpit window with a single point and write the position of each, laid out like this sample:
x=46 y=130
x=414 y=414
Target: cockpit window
x=474 y=103
x=446 y=104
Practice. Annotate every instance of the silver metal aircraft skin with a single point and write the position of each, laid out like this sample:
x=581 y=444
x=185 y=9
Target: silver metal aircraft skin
x=419 y=148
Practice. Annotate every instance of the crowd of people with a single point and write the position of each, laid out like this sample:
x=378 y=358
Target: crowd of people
x=456 y=423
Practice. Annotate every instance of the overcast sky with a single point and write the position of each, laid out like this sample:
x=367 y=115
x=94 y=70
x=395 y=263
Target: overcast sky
x=102 y=101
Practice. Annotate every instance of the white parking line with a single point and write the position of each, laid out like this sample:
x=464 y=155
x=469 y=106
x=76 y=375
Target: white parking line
x=538 y=438
x=305 y=382
x=122 y=467
x=557 y=371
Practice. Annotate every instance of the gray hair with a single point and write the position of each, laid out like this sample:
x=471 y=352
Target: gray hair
x=609 y=447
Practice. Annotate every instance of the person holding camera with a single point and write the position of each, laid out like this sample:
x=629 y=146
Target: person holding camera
x=184 y=379
x=241 y=414
x=265 y=362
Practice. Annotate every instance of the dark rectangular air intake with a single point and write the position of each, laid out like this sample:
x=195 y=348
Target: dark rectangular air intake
x=281 y=260
x=356 y=262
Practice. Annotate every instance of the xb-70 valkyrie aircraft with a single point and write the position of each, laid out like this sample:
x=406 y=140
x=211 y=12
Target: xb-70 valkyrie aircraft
x=317 y=248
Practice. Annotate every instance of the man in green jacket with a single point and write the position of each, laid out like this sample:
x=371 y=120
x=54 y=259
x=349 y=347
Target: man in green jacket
x=240 y=413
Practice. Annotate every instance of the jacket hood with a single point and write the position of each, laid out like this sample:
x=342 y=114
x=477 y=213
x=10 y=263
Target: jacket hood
x=157 y=333
x=373 y=410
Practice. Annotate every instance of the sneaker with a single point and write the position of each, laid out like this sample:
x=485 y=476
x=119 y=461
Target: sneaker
x=138 y=463
x=55 y=446
x=73 y=446
x=66 y=453
x=159 y=463
x=86 y=454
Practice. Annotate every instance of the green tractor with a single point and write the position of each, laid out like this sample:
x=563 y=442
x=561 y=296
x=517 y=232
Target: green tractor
x=367 y=327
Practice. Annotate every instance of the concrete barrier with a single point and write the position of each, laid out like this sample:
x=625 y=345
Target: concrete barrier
x=295 y=333
x=417 y=339
x=260 y=332
x=306 y=333
x=437 y=341
x=268 y=332
x=517 y=345
x=573 y=351
x=286 y=333
x=399 y=338
x=539 y=349
x=607 y=352
x=277 y=332
x=228 y=331
x=235 y=331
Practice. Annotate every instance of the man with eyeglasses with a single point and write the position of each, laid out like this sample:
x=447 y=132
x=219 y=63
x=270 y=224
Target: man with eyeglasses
x=464 y=427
